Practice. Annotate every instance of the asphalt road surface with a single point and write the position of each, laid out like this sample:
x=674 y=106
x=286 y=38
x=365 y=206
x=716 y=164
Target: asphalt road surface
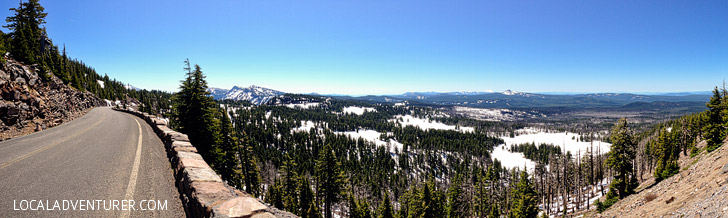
x=90 y=167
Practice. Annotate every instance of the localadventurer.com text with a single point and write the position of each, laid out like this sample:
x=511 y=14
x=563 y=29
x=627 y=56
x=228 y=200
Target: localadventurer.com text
x=87 y=205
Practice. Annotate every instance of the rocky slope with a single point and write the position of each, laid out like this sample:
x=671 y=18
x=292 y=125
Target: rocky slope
x=28 y=104
x=699 y=190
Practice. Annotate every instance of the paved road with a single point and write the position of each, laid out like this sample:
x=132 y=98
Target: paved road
x=97 y=160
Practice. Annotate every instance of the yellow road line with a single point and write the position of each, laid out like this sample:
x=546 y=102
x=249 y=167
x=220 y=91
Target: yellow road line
x=134 y=171
x=6 y=164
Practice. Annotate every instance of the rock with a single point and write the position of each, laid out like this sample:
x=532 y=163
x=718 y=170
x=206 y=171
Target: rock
x=156 y=121
x=204 y=174
x=20 y=80
x=28 y=98
x=191 y=163
x=190 y=155
x=263 y=215
x=670 y=200
x=725 y=168
x=176 y=136
x=184 y=149
x=240 y=207
x=181 y=144
x=4 y=76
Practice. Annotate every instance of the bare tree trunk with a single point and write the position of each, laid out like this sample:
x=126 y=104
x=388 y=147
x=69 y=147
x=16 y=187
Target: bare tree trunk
x=578 y=179
x=566 y=191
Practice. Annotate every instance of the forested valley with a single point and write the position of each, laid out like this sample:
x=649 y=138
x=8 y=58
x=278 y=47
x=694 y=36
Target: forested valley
x=318 y=156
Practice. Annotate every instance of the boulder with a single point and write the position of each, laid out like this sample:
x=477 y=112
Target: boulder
x=156 y=121
x=176 y=136
x=243 y=206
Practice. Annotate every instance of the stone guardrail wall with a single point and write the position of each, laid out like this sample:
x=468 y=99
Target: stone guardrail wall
x=202 y=191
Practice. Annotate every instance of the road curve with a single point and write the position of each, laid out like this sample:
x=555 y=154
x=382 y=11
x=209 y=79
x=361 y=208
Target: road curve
x=89 y=166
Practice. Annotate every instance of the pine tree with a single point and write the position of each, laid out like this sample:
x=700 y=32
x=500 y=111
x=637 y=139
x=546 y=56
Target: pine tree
x=306 y=196
x=290 y=184
x=431 y=202
x=363 y=210
x=714 y=130
x=250 y=173
x=274 y=196
x=330 y=179
x=524 y=198
x=353 y=206
x=481 y=197
x=667 y=156
x=385 y=210
x=620 y=159
x=27 y=31
x=196 y=113
x=457 y=204
x=494 y=211
x=313 y=211
x=229 y=146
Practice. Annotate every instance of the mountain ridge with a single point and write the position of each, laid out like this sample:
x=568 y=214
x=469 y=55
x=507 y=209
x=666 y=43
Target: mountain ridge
x=486 y=99
x=254 y=94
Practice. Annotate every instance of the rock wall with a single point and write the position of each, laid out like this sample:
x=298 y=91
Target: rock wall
x=28 y=104
x=202 y=191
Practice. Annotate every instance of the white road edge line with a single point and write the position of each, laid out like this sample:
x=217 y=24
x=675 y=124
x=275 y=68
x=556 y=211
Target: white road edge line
x=134 y=171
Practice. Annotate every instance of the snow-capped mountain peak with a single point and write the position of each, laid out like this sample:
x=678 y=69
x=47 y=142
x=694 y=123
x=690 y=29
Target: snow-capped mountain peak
x=509 y=92
x=255 y=94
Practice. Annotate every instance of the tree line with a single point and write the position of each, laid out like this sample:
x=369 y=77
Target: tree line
x=28 y=42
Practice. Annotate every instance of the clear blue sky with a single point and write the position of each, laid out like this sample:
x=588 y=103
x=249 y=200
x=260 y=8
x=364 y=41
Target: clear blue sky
x=389 y=47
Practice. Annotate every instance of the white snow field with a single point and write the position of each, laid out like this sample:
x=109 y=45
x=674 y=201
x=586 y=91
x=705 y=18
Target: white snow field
x=305 y=126
x=373 y=136
x=425 y=124
x=358 y=110
x=305 y=105
x=529 y=135
x=511 y=159
x=567 y=139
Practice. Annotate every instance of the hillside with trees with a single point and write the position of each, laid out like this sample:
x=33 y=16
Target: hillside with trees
x=29 y=43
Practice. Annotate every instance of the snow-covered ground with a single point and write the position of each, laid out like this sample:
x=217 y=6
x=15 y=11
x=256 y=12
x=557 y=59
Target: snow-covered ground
x=305 y=105
x=231 y=108
x=101 y=83
x=305 y=126
x=409 y=120
x=373 y=136
x=358 y=110
x=494 y=114
x=511 y=159
x=587 y=199
x=567 y=139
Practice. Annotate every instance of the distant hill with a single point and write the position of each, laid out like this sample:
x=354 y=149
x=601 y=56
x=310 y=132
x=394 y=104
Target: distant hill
x=254 y=94
x=515 y=99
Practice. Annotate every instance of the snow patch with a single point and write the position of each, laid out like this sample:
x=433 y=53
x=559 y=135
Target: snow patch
x=101 y=83
x=358 y=110
x=512 y=159
x=305 y=126
x=493 y=114
x=561 y=139
x=305 y=105
x=373 y=136
x=409 y=120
